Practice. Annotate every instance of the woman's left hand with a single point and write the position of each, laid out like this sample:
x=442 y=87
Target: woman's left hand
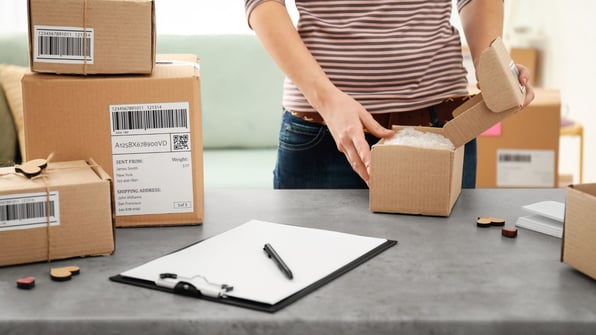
x=524 y=78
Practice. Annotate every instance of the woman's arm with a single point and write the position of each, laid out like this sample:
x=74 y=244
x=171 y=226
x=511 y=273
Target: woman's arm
x=482 y=22
x=345 y=117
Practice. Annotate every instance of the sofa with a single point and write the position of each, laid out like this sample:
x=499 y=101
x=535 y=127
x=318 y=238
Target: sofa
x=240 y=95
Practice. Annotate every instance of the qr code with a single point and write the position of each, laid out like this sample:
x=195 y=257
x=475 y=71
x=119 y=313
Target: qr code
x=181 y=142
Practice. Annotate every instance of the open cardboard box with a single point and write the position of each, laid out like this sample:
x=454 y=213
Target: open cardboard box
x=579 y=230
x=427 y=181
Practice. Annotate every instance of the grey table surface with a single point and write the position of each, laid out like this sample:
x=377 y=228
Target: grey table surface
x=445 y=276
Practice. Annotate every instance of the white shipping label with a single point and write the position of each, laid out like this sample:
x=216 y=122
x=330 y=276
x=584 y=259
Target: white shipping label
x=29 y=210
x=525 y=168
x=151 y=154
x=68 y=45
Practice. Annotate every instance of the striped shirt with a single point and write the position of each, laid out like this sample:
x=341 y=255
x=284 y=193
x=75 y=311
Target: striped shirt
x=389 y=55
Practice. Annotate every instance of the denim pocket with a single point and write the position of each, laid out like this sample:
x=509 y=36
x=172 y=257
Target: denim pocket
x=297 y=134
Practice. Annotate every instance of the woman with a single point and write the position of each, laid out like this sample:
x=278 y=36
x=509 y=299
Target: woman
x=355 y=67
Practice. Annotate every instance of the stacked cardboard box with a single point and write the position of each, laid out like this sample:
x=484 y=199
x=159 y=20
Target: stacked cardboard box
x=138 y=117
x=427 y=181
x=91 y=37
x=144 y=130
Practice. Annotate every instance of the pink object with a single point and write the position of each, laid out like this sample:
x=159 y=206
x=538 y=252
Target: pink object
x=493 y=131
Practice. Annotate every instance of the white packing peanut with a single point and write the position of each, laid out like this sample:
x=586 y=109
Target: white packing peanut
x=412 y=137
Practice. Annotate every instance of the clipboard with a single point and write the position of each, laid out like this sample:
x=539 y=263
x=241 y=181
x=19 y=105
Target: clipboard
x=267 y=290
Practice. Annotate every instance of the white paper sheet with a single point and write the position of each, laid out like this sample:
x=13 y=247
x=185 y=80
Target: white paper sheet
x=236 y=258
x=547 y=218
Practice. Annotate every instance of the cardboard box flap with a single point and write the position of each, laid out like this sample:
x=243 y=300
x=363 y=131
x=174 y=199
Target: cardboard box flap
x=588 y=189
x=471 y=119
x=498 y=78
x=501 y=97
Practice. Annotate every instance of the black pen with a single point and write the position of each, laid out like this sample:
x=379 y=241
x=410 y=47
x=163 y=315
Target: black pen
x=280 y=263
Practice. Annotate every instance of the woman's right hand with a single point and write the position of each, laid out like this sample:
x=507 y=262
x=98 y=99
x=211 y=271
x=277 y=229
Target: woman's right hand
x=347 y=120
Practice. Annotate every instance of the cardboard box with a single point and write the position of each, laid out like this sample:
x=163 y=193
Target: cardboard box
x=579 y=230
x=76 y=195
x=91 y=37
x=145 y=130
x=427 y=181
x=523 y=151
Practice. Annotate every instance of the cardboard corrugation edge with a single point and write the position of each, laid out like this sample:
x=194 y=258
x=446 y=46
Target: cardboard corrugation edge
x=579 y=195
x=103 y=175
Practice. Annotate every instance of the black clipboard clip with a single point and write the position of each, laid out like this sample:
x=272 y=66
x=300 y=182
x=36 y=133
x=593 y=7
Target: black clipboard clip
x=193 y=286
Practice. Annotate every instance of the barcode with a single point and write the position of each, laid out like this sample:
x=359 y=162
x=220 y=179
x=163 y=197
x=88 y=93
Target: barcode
x=23 y=211
x=63 y=46
x=515 y=158
x=150 y=119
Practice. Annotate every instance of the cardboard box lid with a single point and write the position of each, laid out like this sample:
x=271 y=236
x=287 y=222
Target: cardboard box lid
x=174 y=66
x=501 y=96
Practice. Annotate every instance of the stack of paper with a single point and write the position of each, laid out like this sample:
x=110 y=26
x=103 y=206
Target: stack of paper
x=548 y=218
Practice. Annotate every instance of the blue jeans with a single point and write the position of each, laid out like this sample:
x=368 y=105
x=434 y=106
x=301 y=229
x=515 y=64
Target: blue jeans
x=307 y=158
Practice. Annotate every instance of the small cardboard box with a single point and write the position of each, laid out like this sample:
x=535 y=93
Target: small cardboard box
x=427 y=181
x=579 y=230
x=145 y=130
x=91 y=37
x=65 y=212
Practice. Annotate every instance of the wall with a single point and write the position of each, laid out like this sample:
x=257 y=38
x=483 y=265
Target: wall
x=564 y=32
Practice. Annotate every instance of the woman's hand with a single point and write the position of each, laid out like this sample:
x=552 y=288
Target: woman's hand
x=524 y=77
x=346 y=120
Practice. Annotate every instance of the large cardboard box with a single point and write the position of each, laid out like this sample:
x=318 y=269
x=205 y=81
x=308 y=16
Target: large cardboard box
x=91 y=37
x=579 y=230
x=65 y=212
x=523 y=151
x=427 y=181
x=145 y=130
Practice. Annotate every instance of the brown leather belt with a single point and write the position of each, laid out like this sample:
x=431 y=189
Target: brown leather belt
x=440 y=113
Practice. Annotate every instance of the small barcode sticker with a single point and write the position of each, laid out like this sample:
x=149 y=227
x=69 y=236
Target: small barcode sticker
x=70 y=45
x=31 y=210
x=525 y=168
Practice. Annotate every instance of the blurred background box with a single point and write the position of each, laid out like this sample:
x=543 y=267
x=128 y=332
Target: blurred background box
x=523 y=150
